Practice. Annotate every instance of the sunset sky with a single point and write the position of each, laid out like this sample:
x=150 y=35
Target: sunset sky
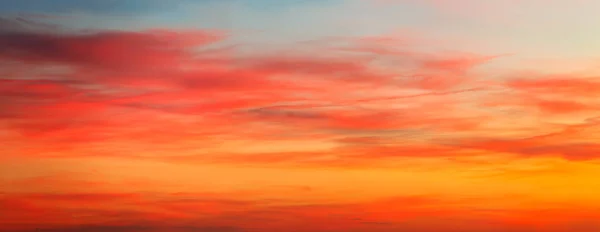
x=299 y=115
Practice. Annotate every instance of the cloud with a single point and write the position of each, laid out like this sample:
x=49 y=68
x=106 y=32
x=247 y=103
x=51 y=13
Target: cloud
x=555 y=94
x=137 y=228
x=95 y=83
x=570 y=142
x=533 y=148
x=69 y=90
x=103 y=128
x=139 y=51
x=108 y=210
x=568 y=85
x=164 y=212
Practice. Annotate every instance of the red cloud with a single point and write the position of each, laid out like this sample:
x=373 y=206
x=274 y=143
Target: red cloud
x=160 y=86
x=564 y=85
x=136 y=51
x=551 y=95
x=193 y=212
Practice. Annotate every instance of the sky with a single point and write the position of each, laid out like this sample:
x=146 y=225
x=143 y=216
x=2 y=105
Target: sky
x=299 y=115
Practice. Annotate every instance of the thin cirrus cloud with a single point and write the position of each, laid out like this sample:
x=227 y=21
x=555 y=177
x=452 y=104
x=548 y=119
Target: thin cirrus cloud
x=192 y=129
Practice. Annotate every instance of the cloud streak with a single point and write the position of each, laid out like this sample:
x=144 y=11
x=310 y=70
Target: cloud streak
x=135 y=212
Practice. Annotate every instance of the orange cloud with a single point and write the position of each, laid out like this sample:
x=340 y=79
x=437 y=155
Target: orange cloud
x=184 y=212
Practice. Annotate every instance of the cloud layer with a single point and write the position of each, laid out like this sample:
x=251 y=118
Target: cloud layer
x=64 y=85
x=195 y=212
x=373 y=133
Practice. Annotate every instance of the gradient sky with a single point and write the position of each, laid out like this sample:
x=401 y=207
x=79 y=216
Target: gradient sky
x=299 y=115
